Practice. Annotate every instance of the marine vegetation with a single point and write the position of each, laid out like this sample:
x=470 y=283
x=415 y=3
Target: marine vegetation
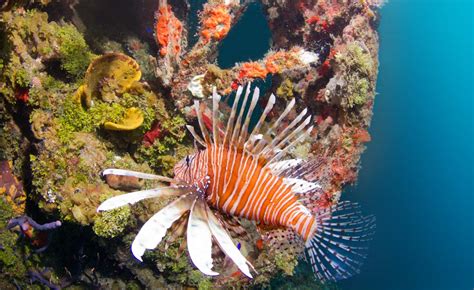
x=103 y=103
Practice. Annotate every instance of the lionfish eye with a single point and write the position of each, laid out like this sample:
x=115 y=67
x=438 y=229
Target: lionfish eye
x=187 y=160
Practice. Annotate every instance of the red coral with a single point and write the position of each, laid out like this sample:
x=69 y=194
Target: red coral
x=325 y=67
x=152 y=134
x=234 y=85
x=313 y=19
x=323 y=23
x=341 y=172
x=22 y=95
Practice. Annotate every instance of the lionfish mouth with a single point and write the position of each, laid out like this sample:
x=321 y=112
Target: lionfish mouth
x=203 y=225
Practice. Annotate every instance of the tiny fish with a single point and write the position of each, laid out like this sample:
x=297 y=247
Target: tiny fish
x=245 y=173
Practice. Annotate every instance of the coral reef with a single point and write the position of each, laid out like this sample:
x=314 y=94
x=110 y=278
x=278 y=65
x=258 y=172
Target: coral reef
x=75 y=101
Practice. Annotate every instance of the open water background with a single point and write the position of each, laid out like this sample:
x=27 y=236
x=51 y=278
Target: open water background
x=417 y=173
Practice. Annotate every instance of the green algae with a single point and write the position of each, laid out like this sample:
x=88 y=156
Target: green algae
x=302 y=279
x=74 y=53
x=112 y=223
x=163 y=154
x=356 y=58
x=176 y=266
x=8 y=257
x=286 y=262
x=285 y=90
x=359 y=67
x=31 y=46
x=13 y=264
x=75 y=118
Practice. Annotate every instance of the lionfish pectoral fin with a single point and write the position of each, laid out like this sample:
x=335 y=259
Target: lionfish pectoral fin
x=299 y=185
x=134 y=197
x=153 y=231
x=199 y=238
x=227 y=245
x=339 y=245
x=280 y=167
x=124 y=172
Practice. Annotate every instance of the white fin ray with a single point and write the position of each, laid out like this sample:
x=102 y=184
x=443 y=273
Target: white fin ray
x=124 y=172
x=250 y=142
x=215 y=111
x=253 y=103
x=153 y=231
x=227 y=245
x=276 y=124
x=238 y=123
x=202 y=126
x=273 y=150
x=295 y=132
x=280 y=166
x=236 y=132
x=282 y=152
x=199 y=238
x=230 y=122
x=285 y=133
x=340 y=243
x=195 y=135
x=134 y=197
x=299 y=186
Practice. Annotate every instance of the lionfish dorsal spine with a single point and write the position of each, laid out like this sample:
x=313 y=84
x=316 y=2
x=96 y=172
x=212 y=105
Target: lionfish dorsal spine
x=255 y=131
x=230 y=122
x=195 y=135
x=238 y=124
x=215 y=112
x=283 y=151
x=244 y=131
x=202 y=126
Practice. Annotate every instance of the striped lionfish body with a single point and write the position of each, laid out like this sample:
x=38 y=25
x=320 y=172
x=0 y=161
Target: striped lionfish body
x=241 y=185
x=243 y=172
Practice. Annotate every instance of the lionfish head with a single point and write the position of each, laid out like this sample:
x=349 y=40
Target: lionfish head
x=187 y=170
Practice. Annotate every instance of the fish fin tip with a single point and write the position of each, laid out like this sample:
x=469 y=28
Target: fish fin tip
x=338 y=248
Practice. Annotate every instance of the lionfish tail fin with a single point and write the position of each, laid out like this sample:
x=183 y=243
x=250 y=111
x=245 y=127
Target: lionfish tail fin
x=339 y=244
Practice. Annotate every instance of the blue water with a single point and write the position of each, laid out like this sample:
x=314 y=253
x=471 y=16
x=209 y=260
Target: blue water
x=417 y=173
x=248 y=40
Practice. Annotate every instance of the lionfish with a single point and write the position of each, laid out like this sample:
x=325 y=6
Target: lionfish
x=242 y=172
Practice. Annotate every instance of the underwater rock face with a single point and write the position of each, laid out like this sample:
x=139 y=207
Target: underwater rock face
x=76 y=99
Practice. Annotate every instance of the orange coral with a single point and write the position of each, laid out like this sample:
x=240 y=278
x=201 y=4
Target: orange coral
x=215 y=22
x=168 y=30
x=361 y=136
x=281 y=60
x=252 y=70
